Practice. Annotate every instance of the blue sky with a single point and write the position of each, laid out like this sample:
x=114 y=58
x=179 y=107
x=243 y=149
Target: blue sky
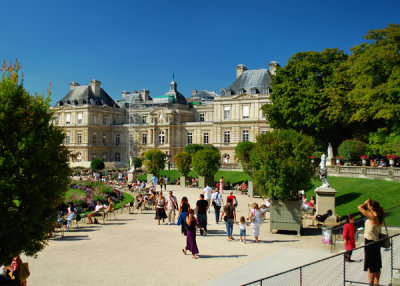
x=130 y=45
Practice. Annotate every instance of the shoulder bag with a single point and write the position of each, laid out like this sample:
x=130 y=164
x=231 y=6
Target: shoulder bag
x=384 y=238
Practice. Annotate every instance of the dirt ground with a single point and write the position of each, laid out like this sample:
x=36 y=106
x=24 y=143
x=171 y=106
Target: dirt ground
x=132 y=249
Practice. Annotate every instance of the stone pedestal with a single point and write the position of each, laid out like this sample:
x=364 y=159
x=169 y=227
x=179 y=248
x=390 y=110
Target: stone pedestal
x=131 y=176
x=326 y=201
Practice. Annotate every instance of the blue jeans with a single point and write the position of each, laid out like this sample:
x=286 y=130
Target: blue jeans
x=229 y=227
x=217 y=209
x=243 y=233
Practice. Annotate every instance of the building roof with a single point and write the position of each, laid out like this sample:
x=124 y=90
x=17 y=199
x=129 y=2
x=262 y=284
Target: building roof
x=173 y=92
x=84 y=95
x=250 y=81
x=203 y=96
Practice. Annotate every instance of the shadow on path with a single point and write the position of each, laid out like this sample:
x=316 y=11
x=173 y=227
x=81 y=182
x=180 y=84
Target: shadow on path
x=221 y=256
x=69 y=237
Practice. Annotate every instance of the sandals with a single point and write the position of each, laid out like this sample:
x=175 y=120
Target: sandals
x=184 y=251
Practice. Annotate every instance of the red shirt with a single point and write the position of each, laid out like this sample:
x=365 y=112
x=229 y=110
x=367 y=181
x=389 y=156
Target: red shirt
x=233 y=199
x=349 y=233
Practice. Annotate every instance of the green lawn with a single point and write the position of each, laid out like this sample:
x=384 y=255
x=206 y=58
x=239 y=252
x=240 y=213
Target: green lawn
x=352 y=192
x=74 y=191
x=233 y=177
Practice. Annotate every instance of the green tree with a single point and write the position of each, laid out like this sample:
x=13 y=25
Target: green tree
x=242 y=153
x=300 y=99
x=33 y=168
x=154 y=161
x=183 y=162
x=206 y=162
x=137 y=162
x=97 y=164
x=281 y=165
x=352 y=150
x=193 y=148
x=372 y=76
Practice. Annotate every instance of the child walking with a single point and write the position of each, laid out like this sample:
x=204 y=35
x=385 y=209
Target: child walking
x=349 y=232
x=242 y=226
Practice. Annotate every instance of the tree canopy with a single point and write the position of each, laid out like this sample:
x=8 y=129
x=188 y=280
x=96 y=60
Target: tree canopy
x=332 y=96
x=280 y=163
x=206 y=162
x=97 y=164
x=154 y=161
x=183 y=162
x=33 y=168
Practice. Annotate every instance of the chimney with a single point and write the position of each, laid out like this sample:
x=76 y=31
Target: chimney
x=240 y=69
x=95 y=87
x=272 y=67
x=145 y=94
x=73 y=84
x=194 y=92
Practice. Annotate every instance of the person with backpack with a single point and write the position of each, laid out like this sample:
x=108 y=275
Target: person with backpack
x=217 y=202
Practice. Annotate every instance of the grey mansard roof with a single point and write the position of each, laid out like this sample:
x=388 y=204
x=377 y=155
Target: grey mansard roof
x=84 y=95
x=250 y=81
x=203 y=96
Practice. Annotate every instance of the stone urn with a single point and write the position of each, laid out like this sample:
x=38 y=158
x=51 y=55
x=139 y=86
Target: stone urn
x=391 y=162
x=364 y=162
x=337 y=161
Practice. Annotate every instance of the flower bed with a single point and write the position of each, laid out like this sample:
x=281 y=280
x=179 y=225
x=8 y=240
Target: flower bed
x=85 y=194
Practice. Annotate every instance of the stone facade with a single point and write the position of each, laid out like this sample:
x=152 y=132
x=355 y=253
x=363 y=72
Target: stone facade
x=97 y=126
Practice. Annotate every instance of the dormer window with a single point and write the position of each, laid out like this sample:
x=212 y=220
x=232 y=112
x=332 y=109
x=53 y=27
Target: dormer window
x=228 y=92
x=253 y=90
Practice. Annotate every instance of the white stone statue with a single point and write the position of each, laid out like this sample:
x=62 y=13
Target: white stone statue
x=323 y=171
x=330 y=151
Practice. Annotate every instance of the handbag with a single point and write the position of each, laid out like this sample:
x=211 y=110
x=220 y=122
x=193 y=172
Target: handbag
x=384 y=238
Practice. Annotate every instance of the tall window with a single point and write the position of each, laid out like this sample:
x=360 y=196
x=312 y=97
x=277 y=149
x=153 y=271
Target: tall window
x=205 y=138
x=144 y=118
x=144 y=138
x=105 y=120
x=245 y=111
x=117 y=157
x=104 y=156
x=190 y=138
x=161 y=137
x=94 y=156
x=104 y=138
x=94 y=139
x=80 y=116
x=94 y=119
x=227 y=112
x=117 y=139
x=67 y=136
x=68 y=118
x=78 y=156
x=245 y=135
x=56 y=120
x=201 y=116
x=227 y=137
x=79 y=138
x=114 y=120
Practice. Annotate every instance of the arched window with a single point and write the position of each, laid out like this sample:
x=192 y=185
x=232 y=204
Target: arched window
x=117 y=157
x=161 y=137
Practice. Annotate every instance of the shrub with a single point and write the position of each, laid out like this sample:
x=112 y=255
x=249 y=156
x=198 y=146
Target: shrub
x=352 y=150
x=280 y=161
x=154 y=161
x=242 y=154
x=137 y=162
x=97 y=164
x=183 y=162
x=193 y=148
x=206 y=162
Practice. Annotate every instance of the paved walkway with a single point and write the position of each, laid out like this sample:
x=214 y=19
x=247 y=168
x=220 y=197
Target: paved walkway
x=133 y=249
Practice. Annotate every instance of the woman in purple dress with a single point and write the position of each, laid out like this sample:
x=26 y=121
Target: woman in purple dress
x=191 y=244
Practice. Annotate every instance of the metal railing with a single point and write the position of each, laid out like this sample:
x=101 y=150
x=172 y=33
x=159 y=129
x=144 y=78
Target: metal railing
x=334 y=270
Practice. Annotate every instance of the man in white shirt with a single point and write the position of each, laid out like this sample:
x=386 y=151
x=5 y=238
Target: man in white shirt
x=217 y=202
x=207 y=196
x=99 y=207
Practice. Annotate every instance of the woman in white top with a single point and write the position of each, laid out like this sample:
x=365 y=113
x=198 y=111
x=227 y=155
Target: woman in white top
x=160 y=208
x=255 y=218
x=372 y=251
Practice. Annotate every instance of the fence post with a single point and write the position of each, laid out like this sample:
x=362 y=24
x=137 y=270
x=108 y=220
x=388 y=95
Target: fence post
x=344 y=269
x=391 y=260
x=301 y=276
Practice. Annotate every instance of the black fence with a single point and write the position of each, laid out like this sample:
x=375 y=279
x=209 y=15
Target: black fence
x=334 y=270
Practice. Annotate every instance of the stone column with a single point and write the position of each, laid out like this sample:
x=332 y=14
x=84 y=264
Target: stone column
x=166 y=136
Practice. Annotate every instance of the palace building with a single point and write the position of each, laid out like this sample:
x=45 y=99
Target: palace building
x=96 y=126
